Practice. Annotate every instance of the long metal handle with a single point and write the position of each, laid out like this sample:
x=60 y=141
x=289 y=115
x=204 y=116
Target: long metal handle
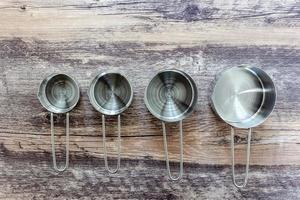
x=104 y=145
x=53 y=144
x=166 y=152
x=247 y=162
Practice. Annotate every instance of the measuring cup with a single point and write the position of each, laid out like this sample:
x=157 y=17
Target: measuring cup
x=111 y=94
x=59 y=93
x=243 y=97
x=171 y=96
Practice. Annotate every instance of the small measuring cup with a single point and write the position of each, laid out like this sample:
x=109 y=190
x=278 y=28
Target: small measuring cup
x=59 y=93
x=243 y=97
x=171 y=96
x=111 y=94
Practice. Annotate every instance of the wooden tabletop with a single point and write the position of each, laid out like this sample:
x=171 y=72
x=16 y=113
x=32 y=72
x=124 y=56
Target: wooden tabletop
x=139 y=38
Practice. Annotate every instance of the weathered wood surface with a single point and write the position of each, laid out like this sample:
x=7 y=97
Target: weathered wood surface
x=31 y=178
x=138 y=38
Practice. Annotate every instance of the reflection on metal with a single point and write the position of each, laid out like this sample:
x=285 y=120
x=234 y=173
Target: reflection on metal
x=243 y=97
x=59 y=93
x=111 y=94
x=171 y=96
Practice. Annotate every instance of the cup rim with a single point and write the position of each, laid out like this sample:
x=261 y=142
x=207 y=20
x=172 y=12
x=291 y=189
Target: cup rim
x=41 y=95
x=241 y=123
x=93 y=100
x=192 y=104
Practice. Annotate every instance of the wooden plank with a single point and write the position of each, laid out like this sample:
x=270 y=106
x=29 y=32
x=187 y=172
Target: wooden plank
x=137 y=179
x=156 y=21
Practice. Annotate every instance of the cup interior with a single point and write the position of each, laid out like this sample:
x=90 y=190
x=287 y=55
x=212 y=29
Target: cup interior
x=244 y=96
x=110 y=93
x=171 y=95
x=59 y=93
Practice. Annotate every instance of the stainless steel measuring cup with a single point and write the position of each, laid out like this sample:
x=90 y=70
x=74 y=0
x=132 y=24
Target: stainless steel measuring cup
x=110 y=93
x=59 y=93
x=171 y=96
x=243 y=97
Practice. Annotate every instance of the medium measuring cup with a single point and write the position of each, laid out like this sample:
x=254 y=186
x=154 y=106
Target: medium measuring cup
x=171 y=96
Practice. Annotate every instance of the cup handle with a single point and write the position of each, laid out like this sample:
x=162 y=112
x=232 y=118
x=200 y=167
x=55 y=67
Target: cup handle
x=166 y=152
x=53 y=144
x=104 y=145
x=233 y=160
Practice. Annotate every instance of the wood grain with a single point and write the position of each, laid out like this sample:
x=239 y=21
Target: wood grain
x=137 y=179
x=138 y=38
x=206 y=137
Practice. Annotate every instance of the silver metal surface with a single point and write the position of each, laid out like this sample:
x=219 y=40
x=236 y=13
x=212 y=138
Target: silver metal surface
x=243 y=97
x=171 y=96
x=59 y=93
x=111 y=94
